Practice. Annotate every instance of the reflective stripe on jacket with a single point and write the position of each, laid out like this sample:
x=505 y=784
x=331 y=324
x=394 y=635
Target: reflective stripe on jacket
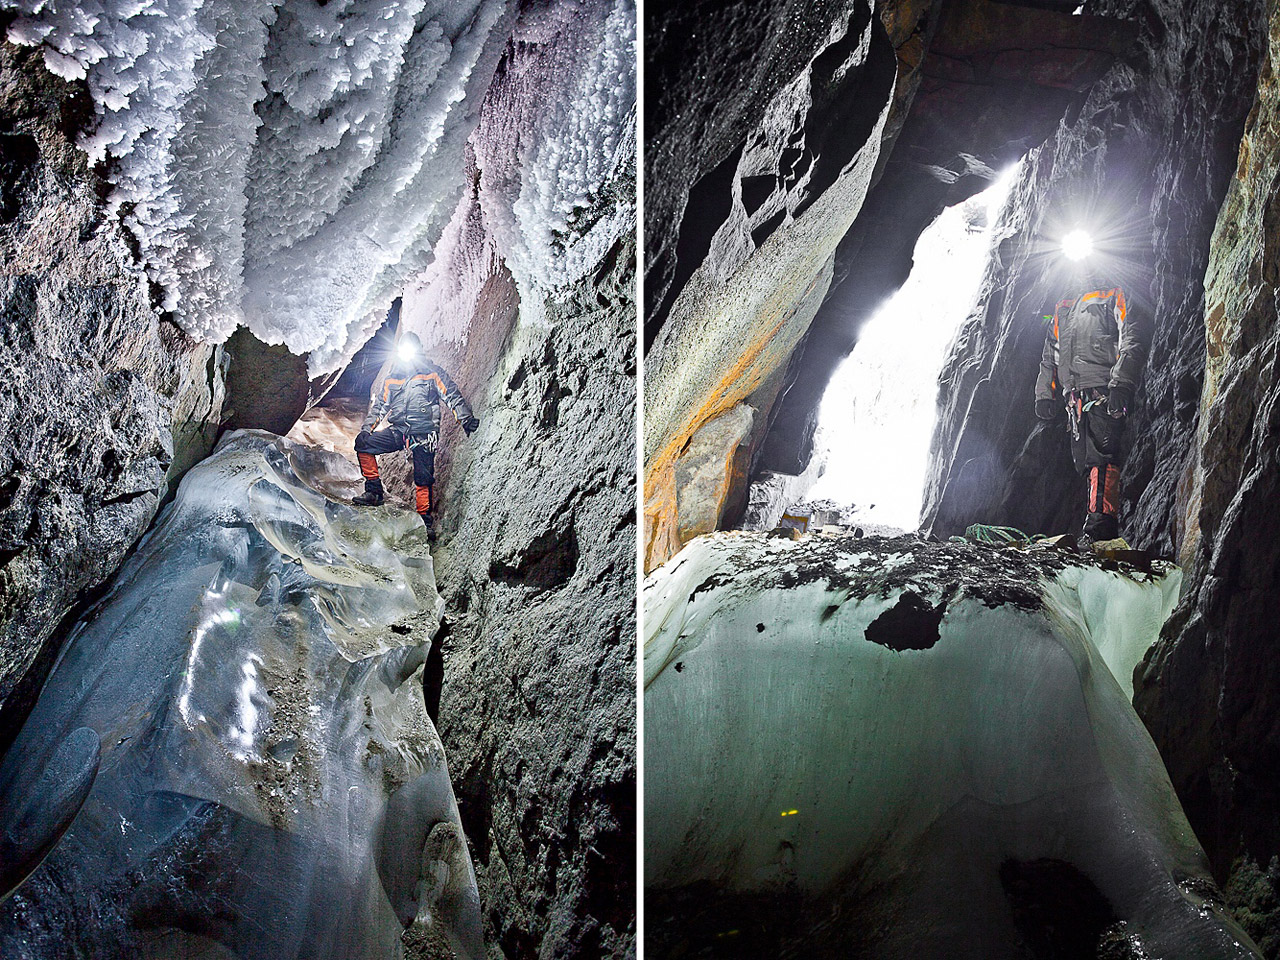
x=407 y=396
x=1095 y=340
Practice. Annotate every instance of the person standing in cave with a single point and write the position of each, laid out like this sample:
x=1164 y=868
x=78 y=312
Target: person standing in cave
x=1094 y=353
x=404 y=413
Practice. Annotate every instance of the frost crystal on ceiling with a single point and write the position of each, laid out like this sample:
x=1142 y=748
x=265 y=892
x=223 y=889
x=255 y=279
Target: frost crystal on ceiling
x=289 y=165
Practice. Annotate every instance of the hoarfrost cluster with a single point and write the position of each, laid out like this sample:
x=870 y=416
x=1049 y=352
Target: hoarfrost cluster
x=554 y=165
x=289 y=166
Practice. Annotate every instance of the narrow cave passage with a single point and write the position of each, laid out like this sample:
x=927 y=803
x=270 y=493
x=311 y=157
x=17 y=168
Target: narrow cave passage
x=878 y=413
x=260 y=696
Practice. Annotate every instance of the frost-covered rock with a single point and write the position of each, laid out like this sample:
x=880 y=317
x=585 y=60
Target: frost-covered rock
x=895 y=748
x=556 y=145
x=270 y=783
x=277 y=160
x=103 y=404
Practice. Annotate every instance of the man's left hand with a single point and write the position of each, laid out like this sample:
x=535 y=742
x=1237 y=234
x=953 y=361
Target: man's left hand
x=470 y=425
x=1119 y=400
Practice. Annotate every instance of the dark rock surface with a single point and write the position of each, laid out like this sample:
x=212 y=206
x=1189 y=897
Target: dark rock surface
x=1146 y=163
x=267 y=385
x=103 y=403
x=1211 y=691
x=753 y=246
x=537 y=568
x=711 y=69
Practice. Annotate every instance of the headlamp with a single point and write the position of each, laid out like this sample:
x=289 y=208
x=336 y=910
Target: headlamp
x=1077 y=245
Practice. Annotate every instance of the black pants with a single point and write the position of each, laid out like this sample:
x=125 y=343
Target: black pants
x=1097 y=448
x=389 y=440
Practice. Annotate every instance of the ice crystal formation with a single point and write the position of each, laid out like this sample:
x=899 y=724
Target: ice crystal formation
x=288 y=165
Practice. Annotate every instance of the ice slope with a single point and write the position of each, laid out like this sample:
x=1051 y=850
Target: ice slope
x=270 y=784
x=866 y=747
x=289 y=165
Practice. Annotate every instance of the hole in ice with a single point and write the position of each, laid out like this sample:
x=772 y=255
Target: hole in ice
x=759 y=628
x=1058 y=911
x=910 y=624
x=679 y=666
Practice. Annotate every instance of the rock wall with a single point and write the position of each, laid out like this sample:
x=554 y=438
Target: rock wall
x=990 y=82
x=1154 y=150
x=712 y=67
x=536 y=513
x=537 y=568
x=762 y=163
x=103 y=402
x=1211 y=691
x=781 y=217
x=1146 y=163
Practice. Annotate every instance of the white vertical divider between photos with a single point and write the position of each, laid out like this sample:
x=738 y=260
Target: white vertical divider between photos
x=639 y=447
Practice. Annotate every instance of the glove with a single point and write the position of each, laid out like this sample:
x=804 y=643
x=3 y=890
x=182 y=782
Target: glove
x=1046 y=409
x=1119 y=400
x=470 y=425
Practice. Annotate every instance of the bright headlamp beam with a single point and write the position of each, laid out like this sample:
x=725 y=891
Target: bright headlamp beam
x=1077 y=245
x=405 y=351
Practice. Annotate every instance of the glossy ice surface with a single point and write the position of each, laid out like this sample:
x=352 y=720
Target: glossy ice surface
x=907 y=749
x=270 y=784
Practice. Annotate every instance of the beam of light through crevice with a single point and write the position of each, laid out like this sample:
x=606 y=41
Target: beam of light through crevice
x=877 y=415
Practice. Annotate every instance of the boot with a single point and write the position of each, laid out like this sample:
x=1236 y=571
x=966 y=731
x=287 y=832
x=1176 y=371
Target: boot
x=372 y=495
x=1101 y=526
x=430 y=525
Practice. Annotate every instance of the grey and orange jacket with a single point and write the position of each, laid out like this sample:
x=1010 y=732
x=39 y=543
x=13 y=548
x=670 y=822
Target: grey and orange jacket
x=407 y=396
x=1095 y=340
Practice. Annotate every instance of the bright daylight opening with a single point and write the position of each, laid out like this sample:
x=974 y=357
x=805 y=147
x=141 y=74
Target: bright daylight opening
x=878 y=413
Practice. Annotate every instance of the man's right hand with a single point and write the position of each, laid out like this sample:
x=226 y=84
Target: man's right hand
x=1046 y=409
x=470 y=425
